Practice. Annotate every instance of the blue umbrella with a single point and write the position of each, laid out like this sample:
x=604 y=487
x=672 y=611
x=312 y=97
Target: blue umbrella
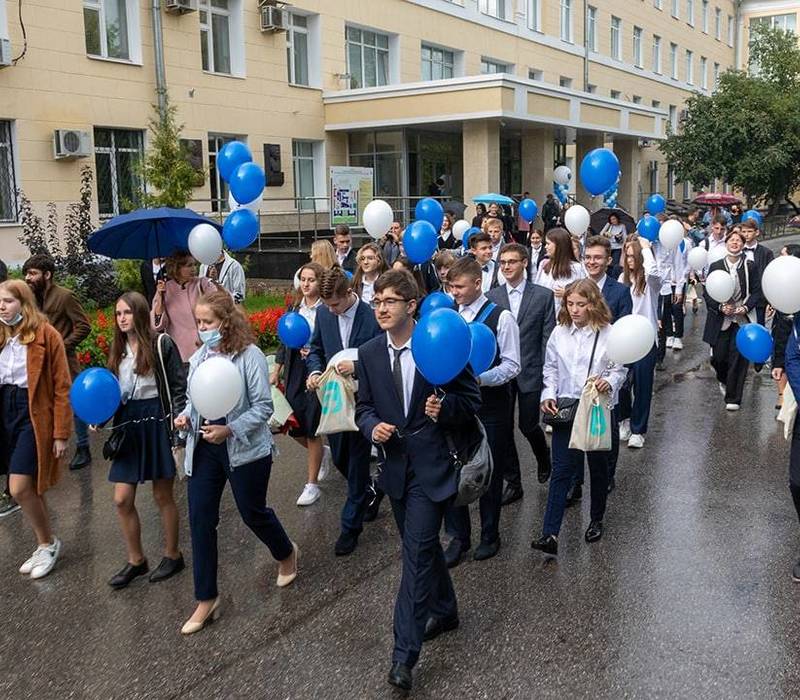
x=147 y=233
x=494 y=198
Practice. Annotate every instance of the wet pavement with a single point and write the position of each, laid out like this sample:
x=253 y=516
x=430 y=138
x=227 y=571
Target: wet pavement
x=688 y=594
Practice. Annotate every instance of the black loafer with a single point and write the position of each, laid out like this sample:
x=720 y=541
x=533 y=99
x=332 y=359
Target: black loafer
x=82 y=458
x=454 y=553
x=400 y=676
x=574 y=495
x=167 y=568
x=511 y=494
x=547 y=544
x=611 y=485
x=543 y=468
x=595 y=531
x=346 y=544
x=439 y=625
x=486 y=550
x=128 y=573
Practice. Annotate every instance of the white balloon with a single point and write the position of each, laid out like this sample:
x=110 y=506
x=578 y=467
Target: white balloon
x=254 y=206
x=577 y=220
x=215 y=388
x=297 y=280
x=378 y=217
x=720 y=286
x=671 y=234
x=205 y=244
x=562 y=175
x=697 y=258
x=717 y=253
x=781 y=284
x=460 y=227
x=630 y=339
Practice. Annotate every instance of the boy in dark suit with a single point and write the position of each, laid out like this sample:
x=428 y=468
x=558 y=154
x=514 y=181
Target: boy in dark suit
x=758 y=254
x=343 y=243
x=399 y=410
x=343 y=321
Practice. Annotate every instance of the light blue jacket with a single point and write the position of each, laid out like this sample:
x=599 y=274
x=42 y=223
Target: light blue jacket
x=251 y=438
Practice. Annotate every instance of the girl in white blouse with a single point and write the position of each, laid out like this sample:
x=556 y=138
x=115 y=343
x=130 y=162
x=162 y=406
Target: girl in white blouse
x=643 y=277
x=576 y=352
x=370 y=266
x=561 y=267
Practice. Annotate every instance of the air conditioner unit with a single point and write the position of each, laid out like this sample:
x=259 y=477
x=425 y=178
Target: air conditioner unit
x=70 y=143
x=180 y=7
x=5 y=52
x=274 y=19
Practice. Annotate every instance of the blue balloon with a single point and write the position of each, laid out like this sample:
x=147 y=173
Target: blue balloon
x=348 y=274
x=754 y=342
x=648 y=227
x=247 y=182
x=420 y=241
x=95 y=395
x=755 y=216
x=232 y=155
x=528 y=210
x=430 y=210
x=656 y=204
x=436 y=300
x=484 y=347
x=441 y=345
x=240 y=229
x=293 y=330
x=470 y=232
x=599 y=170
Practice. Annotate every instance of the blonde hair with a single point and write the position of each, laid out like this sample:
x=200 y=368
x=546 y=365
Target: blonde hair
x=599 y=313
x=322 y=252
x=32 y=318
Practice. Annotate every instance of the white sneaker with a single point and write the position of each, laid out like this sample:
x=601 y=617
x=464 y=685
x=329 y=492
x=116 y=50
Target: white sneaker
x=625 y=430
x=732 y=406
x=722 y=389
x=27 y=567
x=677 y=344
x=670 y=342
x=310 y=495
x=636 y=441
x=46 y=560
x=327 y=462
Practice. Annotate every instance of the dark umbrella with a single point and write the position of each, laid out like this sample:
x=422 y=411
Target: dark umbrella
x=600 y=219
x=455 y=208
x=145 y=234
x=716 y=199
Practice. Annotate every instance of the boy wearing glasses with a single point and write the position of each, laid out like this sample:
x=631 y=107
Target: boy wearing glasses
x=399 y=410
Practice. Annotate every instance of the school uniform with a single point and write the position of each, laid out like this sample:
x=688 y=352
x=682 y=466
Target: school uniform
x=348 y=261
x=535 y=258
x=16 y=430
x=447 y=241
x=761 y=256
x=489 y=275
x=673 y=315
x=544 y=278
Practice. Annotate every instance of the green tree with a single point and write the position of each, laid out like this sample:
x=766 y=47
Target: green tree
x=165 y=168
x=748 y=131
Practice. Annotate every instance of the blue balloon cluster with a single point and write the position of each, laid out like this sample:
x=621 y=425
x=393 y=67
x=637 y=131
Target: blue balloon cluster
x=648 y=227
x=420 y=241
x=245 y=178
x=528 y=210
x=656 y=204
x=232 y=155
x=560 y=191
x=430 y=210
x=240 y=229
x=610 y=195
x=293 y=330
x=434 y=301
x=469 y=233
x=441 y=345
x=484 y=347
x=599 y=170
x=95 y=395
x=754 y=342
x=755 y=216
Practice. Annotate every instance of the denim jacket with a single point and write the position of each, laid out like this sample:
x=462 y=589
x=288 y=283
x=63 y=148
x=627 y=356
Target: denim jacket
x=251 y=438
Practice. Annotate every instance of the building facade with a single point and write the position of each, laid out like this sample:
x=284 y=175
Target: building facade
x=483 y=95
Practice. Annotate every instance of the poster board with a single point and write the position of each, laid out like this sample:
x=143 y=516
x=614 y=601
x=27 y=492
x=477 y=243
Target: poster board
x=351 y=191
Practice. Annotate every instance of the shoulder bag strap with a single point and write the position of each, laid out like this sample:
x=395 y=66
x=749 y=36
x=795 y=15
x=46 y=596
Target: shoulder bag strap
x=164 y=371
x=591 y=358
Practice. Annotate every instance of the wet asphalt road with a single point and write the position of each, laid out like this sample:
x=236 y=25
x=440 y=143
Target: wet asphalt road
x=689 y=593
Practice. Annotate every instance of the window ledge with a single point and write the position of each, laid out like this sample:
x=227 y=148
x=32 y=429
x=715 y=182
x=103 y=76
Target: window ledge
x=10 y=224
x=121 y=61
x=305 y=87
x=225 y=75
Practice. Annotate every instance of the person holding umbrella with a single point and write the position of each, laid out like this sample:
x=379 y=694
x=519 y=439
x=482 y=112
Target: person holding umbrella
x=615 y=232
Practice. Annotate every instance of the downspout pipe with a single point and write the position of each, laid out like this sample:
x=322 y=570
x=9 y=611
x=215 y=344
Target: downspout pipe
x=158 y=48
x=585 y=46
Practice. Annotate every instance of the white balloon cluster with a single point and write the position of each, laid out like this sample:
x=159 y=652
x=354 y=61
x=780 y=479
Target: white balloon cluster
x=781 y=284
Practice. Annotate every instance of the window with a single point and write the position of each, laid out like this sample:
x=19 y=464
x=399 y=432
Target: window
x=786 y=22
x=534 y=15
x=689 y=67
x=636 y=99
x=670 y=182
x=591 y=28
x=535 y=74
x=566 y=20
x=105 y=27
x=219 y=188
x=615 y=95
x=657 y=4
x=687 y=190
x=673 y=118
x=437 y=64
x=367 y=58
x=730 y=30
x=215 y=36
x=690 y=12
x=656 y=54
x=673 y=61
x=715 y=76
x=704 y=18
x=656 y=104
x=564 y=81
x=591 y=89
x=116 y=154
x=703 y=72
x=637 y=47
x=489 y=67
x=297 y=49
x=494 y=8
x=616 y=43
x=303 y=162
x=718 y=24
x=676 y=8
x=8 y=178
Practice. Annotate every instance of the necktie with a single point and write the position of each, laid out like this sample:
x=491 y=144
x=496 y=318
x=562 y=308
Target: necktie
x=397 y=376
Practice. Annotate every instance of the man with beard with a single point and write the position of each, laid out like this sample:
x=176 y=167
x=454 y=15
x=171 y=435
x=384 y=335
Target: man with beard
x=68 y=317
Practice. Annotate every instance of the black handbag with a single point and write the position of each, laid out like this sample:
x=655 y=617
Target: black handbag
x=567 y=407
x=115 y=443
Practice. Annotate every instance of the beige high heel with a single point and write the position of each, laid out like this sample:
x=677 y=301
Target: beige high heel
x=190 y=627
x=285 y=580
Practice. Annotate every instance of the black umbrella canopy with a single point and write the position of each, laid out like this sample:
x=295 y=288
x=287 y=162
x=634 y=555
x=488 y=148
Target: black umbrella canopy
x=600 y=219
x=455 y=208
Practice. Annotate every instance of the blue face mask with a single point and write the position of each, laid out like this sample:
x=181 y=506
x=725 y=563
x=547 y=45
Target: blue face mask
x=211 y=337
x=14 y=321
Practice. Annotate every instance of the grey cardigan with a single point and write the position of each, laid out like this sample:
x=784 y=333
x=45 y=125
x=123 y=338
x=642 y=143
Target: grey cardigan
x=251 y=438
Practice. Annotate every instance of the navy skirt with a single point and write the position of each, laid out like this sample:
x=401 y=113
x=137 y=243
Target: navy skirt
x=146 y=454
x=17 y=440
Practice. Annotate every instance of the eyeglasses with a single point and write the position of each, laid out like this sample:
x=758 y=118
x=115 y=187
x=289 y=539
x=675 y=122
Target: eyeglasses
x=510 y=262
x=390 y=302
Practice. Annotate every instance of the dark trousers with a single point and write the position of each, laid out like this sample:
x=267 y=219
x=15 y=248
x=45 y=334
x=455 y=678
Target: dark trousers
x=564 y=461
x=794 y=468
x=457 y=524
x=528 y=422
x=425 y=586
x=613 y=456
x=616 y=269
x=730 y=366
x=350 y=452
x=638 y=407
x=210 y=470
x=672 y=314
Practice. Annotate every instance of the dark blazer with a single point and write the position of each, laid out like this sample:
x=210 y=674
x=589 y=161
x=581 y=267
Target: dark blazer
x=451 y=243
x=618 y=297
x=350 y=263
x=148 y=281
x=66 y=315
x=170 y=379
x=425 y=450
x=326 y=341
x=782 y=326
x=762 y=256
x=536 y=320
x=751 y=289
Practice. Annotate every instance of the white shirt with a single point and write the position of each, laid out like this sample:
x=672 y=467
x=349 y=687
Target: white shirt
x=616 y=234
x=680 y=267
x=507 y=344
x=346 y=323
x=515 y=296
x=341 y=256
x=134 y=386
x=367 y=291
x=545 y=279
x=750 y=253
x=487 y=274
x=14 y=363
x=566 y=363
x=407 y=367
x=309 y=313
x=646 y=304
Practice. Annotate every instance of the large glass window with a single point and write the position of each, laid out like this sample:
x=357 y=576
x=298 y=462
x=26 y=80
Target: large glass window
x=703 y=72
x=495 y=8
x=437 y=64
x=786 y=22
x=689 y=67
x=367 y=58
x=215 y=35
x=8 y=179
x=297 y=49
x=704 y=17
x=303 y=161
x=637 y=47
x=566 y=20
x=676 y=8
x=718 y=24
x=219 y=188
x=690 y=12
x=656 y=54
x=117 y=153
x=534 y=15
x=105 y=26
x=616 y=39
x=489 y=67
x=591 y=27
x=673 y=61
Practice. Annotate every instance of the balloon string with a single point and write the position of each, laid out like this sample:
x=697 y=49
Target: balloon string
x=135 y=421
